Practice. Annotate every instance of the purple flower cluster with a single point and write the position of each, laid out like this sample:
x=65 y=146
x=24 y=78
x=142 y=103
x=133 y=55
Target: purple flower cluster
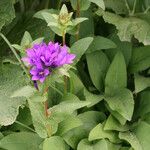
x=43 y=58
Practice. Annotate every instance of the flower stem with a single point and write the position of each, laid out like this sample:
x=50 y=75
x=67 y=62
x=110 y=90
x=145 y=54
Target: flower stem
x=78 y=15
x=65 y=77
x=16 y=55
x=46 y=108
x=46 y=105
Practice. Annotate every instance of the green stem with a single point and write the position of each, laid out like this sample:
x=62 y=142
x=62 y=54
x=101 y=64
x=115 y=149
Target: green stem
x=65 y=77
x=134 y=7
x=147 y=9
x=25 y=126
x=127 y=5
x=16 y=55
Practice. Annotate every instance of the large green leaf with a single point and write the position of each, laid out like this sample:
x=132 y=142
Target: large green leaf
x=55 y=143
x=66 y=108
x=21 y=141
x=121 y=101
x=100 y=43
x=97 y=73
x=99 y=3
x=118 y=6
x=99 y=145
x=113 y=124
x=43 y=125
x=7 y=12
x=124 y=47
x=90 y=119
x=141 y=83
x=84 y=4
x=140 y=59
x=117 y=115
x=68 y=124
x=131 y=138
x=142 y=133
x=11 y=78
x=93 y=98
x=25 y=91
x=80 y=47
x=116 y=76
x=129 y=27
x=144 y=103
x=99 y=133
x=76 y=86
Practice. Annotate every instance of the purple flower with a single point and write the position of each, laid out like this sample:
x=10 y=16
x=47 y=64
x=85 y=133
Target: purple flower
x=39 y=74
x=42 y=58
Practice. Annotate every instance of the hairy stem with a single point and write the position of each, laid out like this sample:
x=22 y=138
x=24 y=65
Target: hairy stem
x=16 y=55
x=65 y=77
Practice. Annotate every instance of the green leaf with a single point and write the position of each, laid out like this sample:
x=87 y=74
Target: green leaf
x=119 y=117
x=84 y=4
x=141 y=83
x=7 y=12
x=121 y=101
x=78 y=48
x=116 y=76
x=63 y=10
x=38 y=41
x=128 y=27
x=55 y=143
x=68 y=124
x=68 y=106
x=39 y=14
x=100 y=43
x=93 y=98
x=124 y=47
x=99 y=133
x=76 y=85
x=21 y=141
x=1 y=135
x=26 y=91
x=140 y=59
x=144 y=104
x=52 y=23
x=11 y=78
x=142 y=133
x=90 y=119
x=131 y=138
x=79 y=20
x=113 y=124
x=26 y=40
x=97 y=73
x=100 y=3
x=118 y=6
x=44 y=126
x=99 y=145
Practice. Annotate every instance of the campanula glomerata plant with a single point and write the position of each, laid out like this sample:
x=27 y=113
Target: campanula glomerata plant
x=74 y=75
